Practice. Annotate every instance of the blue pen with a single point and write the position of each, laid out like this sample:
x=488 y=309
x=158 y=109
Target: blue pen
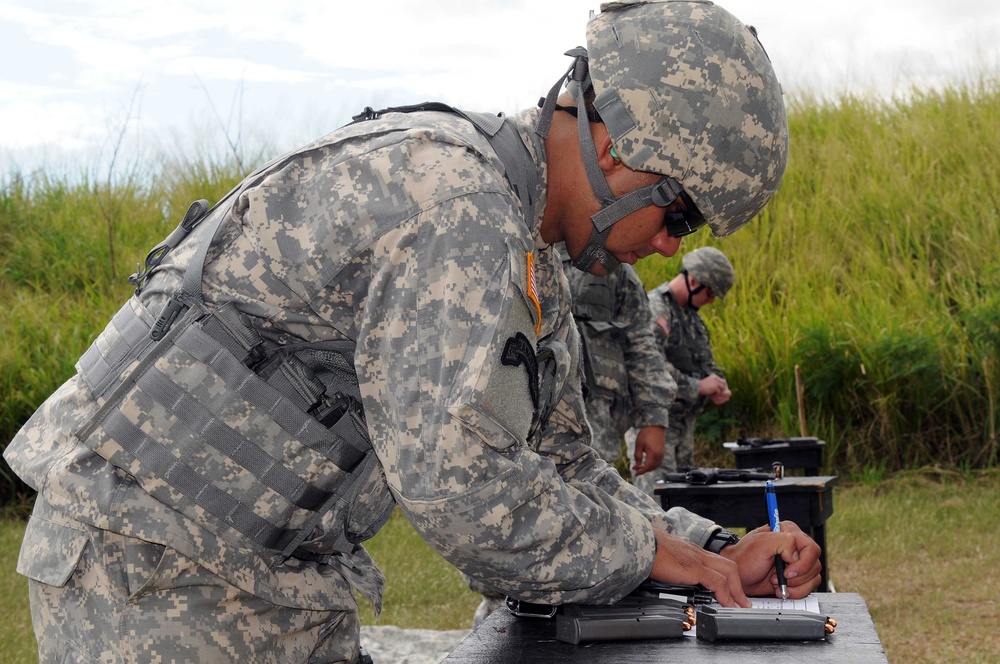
x=775 y=522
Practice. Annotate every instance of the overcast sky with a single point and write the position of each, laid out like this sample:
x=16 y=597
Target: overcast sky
x=76 y=74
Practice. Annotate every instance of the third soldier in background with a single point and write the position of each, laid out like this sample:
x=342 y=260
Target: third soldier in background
x=681 y=334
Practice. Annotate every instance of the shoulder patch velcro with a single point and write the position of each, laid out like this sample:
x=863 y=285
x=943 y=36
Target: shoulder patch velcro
x=517 y=351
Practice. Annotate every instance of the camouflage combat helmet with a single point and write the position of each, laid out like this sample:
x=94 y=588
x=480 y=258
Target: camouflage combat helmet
x=709 y=266
x=687 y=91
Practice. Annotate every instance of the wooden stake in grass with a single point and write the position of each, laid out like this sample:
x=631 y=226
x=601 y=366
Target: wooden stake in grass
x=800 y=392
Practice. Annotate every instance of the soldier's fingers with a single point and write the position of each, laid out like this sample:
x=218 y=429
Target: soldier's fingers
x=727 y=587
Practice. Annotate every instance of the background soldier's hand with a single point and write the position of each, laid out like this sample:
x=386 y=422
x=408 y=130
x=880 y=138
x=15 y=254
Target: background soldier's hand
x=715 y=388
x=679 y=561
x=754 y=556
x=650 y=445
x=722 y=397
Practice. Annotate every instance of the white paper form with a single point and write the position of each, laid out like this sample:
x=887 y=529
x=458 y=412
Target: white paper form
x=808 y=603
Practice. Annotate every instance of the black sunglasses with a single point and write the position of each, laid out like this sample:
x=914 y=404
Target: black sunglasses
x=683 y=222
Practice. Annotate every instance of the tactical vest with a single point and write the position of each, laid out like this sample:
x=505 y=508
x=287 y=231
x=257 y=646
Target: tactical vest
x=253 y=441
x=603 y=337
x=594 y=300
x=685 y=353
x=687 y=358
x=682 y=349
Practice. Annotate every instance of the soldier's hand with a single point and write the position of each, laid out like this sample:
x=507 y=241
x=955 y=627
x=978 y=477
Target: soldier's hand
x=679 y=561
x=722 y=397
x=754 y=556
x=711 y=385
x=650 y=445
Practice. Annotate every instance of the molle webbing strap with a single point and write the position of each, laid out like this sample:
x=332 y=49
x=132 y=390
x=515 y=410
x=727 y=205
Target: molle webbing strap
x=99 y=365
x=233 y=330
x=158 y=459
x=218 y=342
x=304 y=428
x=344 y=444
x=230 y=442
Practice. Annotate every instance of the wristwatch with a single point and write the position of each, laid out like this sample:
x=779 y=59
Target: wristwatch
x=720 y=539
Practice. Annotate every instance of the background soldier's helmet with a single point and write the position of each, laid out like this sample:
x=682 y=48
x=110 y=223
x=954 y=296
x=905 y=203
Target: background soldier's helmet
x=686 y=90
x=709 y=266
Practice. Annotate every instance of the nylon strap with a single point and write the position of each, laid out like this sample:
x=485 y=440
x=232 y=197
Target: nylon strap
x=195 y=488
x=206 y=424
x=346 y=455
x=98 y=366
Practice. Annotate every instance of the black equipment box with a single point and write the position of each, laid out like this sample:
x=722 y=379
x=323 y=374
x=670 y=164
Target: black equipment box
x=793 y=453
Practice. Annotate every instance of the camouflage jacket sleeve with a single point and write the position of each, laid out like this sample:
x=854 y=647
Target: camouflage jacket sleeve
x=698 y=345
x=652 y=388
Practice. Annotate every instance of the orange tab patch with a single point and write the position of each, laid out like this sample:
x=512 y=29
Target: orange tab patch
x=533 y=291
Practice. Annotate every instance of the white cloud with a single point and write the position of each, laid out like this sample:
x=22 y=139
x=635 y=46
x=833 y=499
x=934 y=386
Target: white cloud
x=231 y=69
x=25 y=123
x=296 y=61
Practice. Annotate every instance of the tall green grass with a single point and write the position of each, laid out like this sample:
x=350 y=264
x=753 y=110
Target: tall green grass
x=874 y=268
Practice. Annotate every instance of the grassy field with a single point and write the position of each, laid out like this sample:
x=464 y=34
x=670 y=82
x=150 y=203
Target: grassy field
x=922 y=548
x=874 y=269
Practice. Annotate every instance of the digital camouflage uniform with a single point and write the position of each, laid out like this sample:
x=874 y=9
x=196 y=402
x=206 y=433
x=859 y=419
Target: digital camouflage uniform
x=401 y=239
x=683 y=338
x=399 y=235
x=627 y=379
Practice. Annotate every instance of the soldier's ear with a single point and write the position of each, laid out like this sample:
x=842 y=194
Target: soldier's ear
x=606 y=155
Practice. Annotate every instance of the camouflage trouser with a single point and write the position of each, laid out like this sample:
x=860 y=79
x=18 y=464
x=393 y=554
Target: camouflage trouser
x=678 y=453
x=491 y=600
x=606 y=426
x=129 y=601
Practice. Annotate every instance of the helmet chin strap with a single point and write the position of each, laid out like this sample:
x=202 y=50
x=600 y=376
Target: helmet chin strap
x=692 y=292
x=613 y=209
